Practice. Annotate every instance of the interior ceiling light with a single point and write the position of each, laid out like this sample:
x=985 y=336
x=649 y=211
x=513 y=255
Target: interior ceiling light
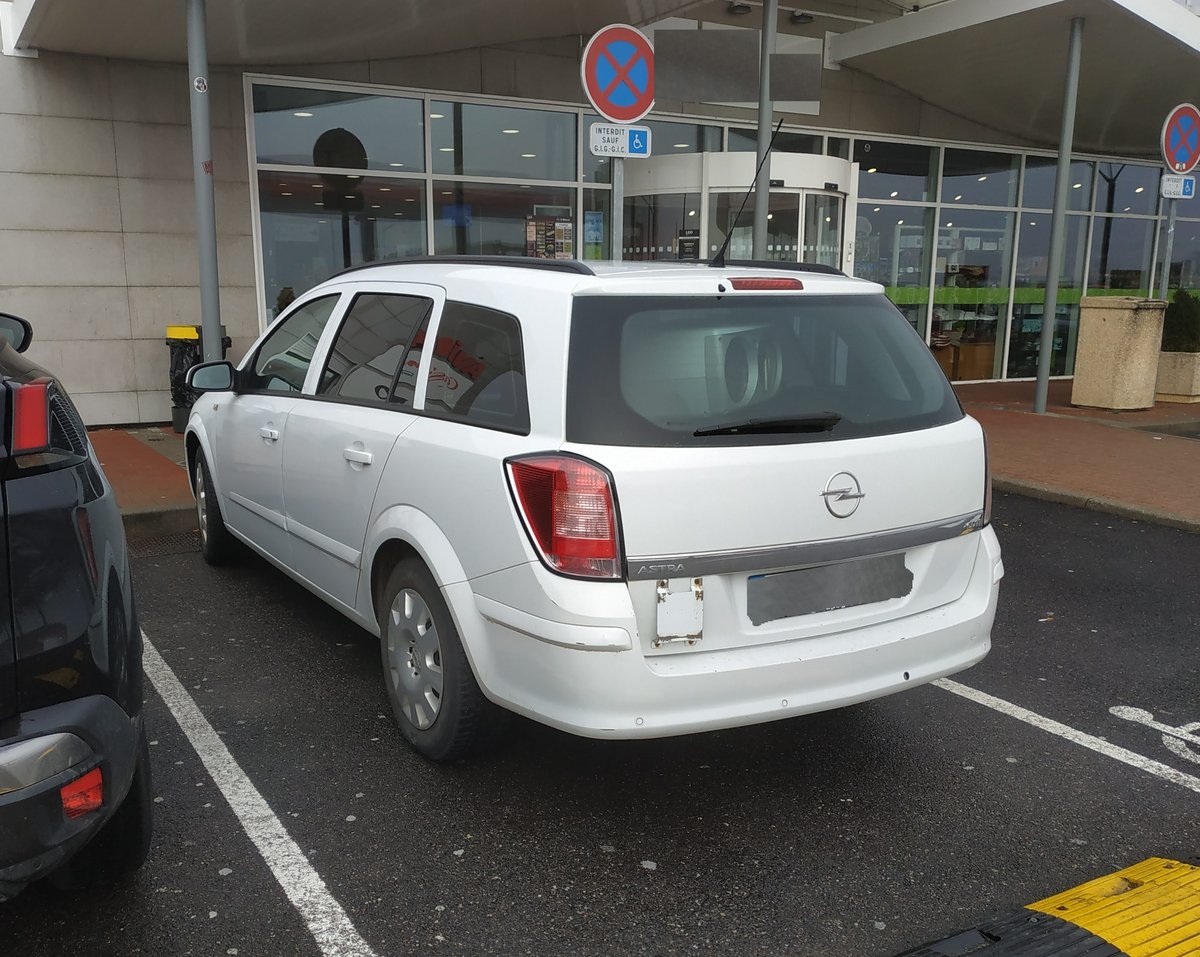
x=528 y=156
x=1077 y=186
x=510 y=132
x=395 y=164
x=738 y=8
x=873 y=169
x=437 y=116
x=301 y=113
x=799 y=17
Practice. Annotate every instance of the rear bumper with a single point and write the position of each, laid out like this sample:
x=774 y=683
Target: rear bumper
x=624 y=694
x=35 y=836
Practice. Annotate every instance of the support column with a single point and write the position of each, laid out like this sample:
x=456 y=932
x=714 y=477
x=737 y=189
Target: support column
x=202 y=174
x=762 y=183
x=1058 y=221
x=617 y=168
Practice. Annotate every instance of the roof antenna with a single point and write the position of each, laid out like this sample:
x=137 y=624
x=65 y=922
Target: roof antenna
x=719 y=259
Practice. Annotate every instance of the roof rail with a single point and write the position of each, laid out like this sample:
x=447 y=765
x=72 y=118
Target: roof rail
x=777 y=264
x=522 y=262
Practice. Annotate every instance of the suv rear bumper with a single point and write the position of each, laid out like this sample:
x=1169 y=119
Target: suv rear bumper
x=35 y=836
x=623 y=694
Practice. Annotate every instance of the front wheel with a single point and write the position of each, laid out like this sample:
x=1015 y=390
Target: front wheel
x=434 y=696
x=217 y=545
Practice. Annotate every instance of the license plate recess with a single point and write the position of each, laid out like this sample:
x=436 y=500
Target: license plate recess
x=821 y=588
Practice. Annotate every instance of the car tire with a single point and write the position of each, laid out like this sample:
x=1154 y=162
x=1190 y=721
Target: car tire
x=121 y=846
x=217 y=545
x=433 y=692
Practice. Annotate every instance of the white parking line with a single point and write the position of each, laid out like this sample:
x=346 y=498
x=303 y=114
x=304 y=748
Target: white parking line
x=1099 y=745
x=328 y=923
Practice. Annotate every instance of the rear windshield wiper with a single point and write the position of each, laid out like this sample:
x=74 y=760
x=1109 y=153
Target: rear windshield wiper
x=821 y=422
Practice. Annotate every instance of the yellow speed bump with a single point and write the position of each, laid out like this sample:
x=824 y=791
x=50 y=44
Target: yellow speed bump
x=1151 y=909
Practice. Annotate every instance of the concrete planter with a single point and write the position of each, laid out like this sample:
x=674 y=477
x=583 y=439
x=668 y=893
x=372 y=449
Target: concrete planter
x=1116 y=362
x=1178 y=377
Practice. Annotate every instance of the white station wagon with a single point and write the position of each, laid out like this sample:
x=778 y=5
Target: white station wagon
x=625 y=500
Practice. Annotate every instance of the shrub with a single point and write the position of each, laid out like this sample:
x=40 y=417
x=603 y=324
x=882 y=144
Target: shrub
x=1181 y=325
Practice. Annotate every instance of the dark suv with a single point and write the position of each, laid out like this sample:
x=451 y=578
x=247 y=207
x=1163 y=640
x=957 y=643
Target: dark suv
x=75 y=798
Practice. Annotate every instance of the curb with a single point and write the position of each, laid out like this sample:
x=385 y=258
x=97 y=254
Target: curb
x=152 y=523
x=1061 y=496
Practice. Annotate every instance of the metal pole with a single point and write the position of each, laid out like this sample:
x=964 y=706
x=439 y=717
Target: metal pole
x=202 y=174
x=762 y=185
x=618 y=207
x=1164 y=284
x=1058 y=221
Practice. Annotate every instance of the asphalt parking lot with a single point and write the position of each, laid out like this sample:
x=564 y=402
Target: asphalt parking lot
x=859 y=832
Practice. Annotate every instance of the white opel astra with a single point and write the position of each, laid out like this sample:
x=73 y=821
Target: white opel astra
x=625 y=500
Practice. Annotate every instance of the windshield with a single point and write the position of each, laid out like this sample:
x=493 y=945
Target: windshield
x=729 y=370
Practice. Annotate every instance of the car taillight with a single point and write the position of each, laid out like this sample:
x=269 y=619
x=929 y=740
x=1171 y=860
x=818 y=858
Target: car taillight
x=83 y=795
x=765 y=283
x=568 y=509
x=31 y=418
x=987 y=485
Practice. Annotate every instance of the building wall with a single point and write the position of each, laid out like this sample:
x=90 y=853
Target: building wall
x=97 y=216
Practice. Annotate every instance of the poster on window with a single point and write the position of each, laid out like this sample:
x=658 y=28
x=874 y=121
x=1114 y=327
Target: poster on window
x=549 y=237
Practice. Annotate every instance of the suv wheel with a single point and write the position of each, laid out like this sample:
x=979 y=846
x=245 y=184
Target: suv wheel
x=216 y=544
x=120 y=847
x=433 y=693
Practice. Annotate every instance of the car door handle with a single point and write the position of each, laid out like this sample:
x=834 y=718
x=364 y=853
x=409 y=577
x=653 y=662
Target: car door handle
x=358 y=455
x=271 y=435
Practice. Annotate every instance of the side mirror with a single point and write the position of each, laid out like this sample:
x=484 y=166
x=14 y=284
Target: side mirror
x=15 y=331
x=210 y=377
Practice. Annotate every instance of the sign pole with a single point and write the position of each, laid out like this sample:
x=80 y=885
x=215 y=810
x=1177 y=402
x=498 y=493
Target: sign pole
x=617 y=251
x=1164 y=283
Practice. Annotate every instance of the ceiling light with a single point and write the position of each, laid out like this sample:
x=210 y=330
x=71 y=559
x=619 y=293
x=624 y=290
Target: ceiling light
x=371 y=219
x=410 y=200
x=375 y=206
x=528 y=156
x=447 y=192
x=982 y=178
x=385 y=189
x=877 y=209
x=397 y=214
x=317 y=185
x=395 y=164
x=318 y=204
x=873 y=169
x=353 y=177
x=895 y=193
x=739 y=8
x=322 y=221
x=302 y=113
x=446 y=149
x=799 y=16
x=510 y=132
x=770 y=215
x=691 y=212
x=681 y=146
x=285 y=194
x=948 y=225
x=899 y=222
x=437 y=116
x=349 y=196
x=829 y=219
x=1076 y=185
x=1127 y=209
x=1140 y=189
x=958 y=197
x=1032 y=223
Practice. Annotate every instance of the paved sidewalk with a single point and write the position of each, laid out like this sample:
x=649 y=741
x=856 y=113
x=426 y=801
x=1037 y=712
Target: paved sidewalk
x=1094 y=459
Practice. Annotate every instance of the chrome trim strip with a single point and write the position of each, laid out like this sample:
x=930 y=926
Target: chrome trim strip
x=806 y=553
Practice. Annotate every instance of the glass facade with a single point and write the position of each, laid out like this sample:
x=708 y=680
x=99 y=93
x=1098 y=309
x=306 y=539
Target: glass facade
x=958 y=235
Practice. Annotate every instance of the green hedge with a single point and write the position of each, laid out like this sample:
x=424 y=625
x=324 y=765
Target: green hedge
x=1181 y=325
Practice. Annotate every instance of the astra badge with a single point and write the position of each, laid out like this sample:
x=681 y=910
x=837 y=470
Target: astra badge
x=842 y=495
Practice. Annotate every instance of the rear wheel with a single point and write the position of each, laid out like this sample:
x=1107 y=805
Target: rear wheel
x=216 y=544
x=121 y=846
x=433 y=692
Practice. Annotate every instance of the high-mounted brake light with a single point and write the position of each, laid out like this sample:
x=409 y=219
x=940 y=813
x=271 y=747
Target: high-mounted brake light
x=83 y=795
x=31 y=418
x=568 y=510
x=765 y=282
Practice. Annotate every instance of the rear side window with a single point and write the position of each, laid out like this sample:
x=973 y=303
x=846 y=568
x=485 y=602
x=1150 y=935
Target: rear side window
x=366 y=358
x=675 y=371
x=477 y=374
x=285 y=355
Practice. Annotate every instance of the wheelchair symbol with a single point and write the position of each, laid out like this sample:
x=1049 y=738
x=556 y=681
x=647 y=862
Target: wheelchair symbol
x=1179 y=741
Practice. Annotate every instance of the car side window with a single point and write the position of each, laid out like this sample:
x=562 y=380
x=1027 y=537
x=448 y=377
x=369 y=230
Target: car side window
x=477 y=374
x=284 y=357
x=367 y=354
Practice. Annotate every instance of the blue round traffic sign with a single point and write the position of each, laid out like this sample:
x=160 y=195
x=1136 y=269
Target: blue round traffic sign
x=618 y=73
x=1181 y=138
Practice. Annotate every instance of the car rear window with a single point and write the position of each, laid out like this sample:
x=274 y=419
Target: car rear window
x=739 y=370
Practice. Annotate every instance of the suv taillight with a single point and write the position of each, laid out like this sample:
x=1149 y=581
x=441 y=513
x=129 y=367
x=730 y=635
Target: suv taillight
x=31 y=418
x=568 y=508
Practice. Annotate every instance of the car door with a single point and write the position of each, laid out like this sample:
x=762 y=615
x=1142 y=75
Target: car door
x=250 y=431
x=340 y=438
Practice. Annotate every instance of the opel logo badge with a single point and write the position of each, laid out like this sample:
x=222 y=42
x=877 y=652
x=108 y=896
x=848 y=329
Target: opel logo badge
x=842 y=495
